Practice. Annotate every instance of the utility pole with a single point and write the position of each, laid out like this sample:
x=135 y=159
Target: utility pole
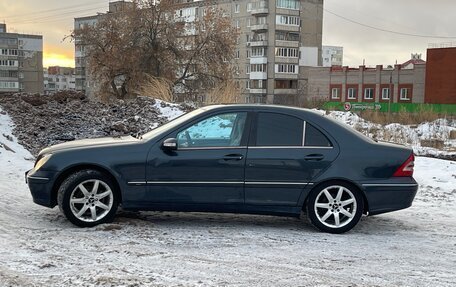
x=391 y=93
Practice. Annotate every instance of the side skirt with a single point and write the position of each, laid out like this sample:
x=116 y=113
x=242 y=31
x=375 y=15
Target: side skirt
x=228 y=208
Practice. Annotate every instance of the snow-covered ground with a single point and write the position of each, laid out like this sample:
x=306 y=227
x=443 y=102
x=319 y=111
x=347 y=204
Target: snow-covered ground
x=39 y=247
x=427 y=133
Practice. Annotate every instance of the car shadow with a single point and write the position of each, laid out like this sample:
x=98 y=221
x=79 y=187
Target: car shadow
x=379 y=224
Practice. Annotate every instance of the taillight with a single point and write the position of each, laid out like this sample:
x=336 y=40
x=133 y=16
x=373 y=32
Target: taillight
x=406 y=169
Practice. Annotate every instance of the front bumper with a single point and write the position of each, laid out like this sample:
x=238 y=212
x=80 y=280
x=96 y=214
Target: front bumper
x=40 y=184
x=387 y=197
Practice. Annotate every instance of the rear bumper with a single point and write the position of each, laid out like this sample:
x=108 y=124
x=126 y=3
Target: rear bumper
x=387 y=197
x=40 y=184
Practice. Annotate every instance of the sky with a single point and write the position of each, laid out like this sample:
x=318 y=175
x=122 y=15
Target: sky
x=345 y=23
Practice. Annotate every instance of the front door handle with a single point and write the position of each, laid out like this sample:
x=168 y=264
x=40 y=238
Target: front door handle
x=233 y=157
x=314 y=157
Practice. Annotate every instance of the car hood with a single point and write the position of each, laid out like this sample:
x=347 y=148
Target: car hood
x=106 y=141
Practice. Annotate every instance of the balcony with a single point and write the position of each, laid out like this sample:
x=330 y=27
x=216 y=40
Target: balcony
x=258 y=60
x=259 y=27
x=258 y=91
x=285 y=91
x=290 y=44
x=286 y=76
x=257 y=43
x=290 y=28
x=258 y=75
x=286 y=60
x=259 y=8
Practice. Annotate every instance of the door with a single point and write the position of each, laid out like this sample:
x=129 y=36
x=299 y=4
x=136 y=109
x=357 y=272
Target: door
x=284 y=155
x=208 y=165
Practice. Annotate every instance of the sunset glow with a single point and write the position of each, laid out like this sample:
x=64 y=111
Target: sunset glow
x=52 y=59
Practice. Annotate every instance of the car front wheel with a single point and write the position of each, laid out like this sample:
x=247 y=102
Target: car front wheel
x=335 y=207
x=88 y=198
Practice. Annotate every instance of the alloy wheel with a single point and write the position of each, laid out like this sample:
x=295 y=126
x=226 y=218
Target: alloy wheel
x=335 y=206
x=91 y=200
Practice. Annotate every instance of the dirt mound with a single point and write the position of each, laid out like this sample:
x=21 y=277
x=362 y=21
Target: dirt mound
x=46 y=120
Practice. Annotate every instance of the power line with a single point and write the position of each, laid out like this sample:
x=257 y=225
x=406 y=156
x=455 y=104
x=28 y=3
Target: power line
x=386 y=30
x=85 y=4
x=44 y=19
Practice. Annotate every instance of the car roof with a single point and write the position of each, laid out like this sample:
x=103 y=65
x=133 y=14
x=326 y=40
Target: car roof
x=262 y=107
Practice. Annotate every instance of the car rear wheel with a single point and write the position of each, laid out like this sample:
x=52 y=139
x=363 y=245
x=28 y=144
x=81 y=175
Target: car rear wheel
x=335 y=207
x=88 y=198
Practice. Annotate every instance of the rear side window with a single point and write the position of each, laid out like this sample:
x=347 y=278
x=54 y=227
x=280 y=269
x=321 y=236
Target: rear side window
x=314 y=137
x=278 y=130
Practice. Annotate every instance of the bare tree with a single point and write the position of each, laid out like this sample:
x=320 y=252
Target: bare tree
x=152 y=44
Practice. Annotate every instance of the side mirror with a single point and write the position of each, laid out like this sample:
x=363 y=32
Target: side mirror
x=170 y=144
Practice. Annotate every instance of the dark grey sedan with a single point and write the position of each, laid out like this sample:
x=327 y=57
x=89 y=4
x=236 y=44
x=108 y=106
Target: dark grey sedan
x=255 y=159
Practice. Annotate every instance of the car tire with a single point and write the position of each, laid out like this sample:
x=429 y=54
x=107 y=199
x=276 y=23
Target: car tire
x=88 y=198
x=335 y=207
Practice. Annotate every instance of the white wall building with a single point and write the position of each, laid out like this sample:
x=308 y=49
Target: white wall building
x=332 y=56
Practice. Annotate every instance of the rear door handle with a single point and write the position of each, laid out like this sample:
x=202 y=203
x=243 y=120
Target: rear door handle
x=233 y=157
x=314 y=157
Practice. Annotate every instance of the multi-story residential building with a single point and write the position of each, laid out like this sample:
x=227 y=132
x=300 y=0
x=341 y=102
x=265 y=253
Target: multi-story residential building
x=276 y=38
x=332 y=56
x=59 y=79
x=21 y=62
x=82 y=76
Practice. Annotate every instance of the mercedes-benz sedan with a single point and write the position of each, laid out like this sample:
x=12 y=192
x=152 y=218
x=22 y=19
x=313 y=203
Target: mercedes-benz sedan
x=255 y=159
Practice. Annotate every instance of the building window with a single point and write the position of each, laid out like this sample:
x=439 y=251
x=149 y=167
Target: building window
x=258 y=67
x=351 y=94
x=262 y=20
x=405 y=94
x=247 y=69
x=258 y=52
x=237 y=24
x=385 y=94
x=287 y=36
x=288 y=4
x=287 y=52
x=237 y=54
x=237 y=8
x=257 y=84
x=249 y=22
x=286 y=68
x=247 y=85
x=286 y=84
x=369 y=93
x=287 y=20
x=335 y=94
x=248 y=54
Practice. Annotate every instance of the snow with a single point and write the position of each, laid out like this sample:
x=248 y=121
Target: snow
x=39 y=247
x=168 y=110
x=411 y=135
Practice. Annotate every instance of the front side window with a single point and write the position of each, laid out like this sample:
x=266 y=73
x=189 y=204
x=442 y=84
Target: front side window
x=224 y=130
x=278 y=130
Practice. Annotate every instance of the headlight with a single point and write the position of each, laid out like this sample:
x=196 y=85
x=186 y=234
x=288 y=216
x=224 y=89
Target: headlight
x=42 y=160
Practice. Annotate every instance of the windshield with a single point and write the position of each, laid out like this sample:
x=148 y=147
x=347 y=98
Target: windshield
x=171 y=124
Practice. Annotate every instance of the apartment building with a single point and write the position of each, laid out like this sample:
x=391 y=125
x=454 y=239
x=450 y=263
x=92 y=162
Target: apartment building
x=276 y=37
x=332 y=56
x=21 y=62
x=59 y=79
